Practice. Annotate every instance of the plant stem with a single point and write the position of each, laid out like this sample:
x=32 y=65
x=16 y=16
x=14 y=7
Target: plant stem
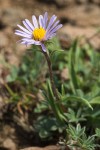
x=57 y=107
x=51 y=76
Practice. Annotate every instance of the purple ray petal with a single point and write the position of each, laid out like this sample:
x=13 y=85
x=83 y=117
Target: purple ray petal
x=35 y=21
x=55 y=29
x=27 y=43
x=23 y=35
x=51 y=36
x=41 y=23
x=45 y=19
x=28 y=39
x=23 y=42
x=37 y=43
x=52 y=20
x=19 y=31
x=54 y=25
x=30 y=25
x=25 y=30
x=43 y=47
x=27 y=26
x=31 y=41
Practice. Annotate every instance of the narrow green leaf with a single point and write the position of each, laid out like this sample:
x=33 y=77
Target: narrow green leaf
x=97 y=132
x=62 y=90
x=71 y=67
x=95 y=100
x=79 y=99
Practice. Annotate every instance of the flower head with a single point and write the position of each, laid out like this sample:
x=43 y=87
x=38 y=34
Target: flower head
x=39 y=31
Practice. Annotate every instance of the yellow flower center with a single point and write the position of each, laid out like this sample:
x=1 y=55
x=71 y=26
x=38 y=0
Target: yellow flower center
x=39 y=34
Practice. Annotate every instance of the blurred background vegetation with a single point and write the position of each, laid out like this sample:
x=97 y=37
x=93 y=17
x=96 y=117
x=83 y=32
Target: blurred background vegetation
x=26 y=118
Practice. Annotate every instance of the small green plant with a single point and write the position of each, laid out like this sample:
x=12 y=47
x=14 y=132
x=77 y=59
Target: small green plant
x=48 y=127
x=79 y=95
x=78 y=139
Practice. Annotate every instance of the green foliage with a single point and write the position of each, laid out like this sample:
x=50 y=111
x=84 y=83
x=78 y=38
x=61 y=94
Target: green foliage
x=55 y=105
x=30 y=68
x=73 y=77
x=13 y=74
x=47 y=127
x=79 y=105
x=78 y=139
x=75 y=117
x=98 y=133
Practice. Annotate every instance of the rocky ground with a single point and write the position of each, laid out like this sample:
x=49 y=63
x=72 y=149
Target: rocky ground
x=79 y=17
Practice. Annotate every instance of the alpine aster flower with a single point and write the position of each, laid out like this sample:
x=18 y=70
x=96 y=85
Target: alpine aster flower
x=38 y=32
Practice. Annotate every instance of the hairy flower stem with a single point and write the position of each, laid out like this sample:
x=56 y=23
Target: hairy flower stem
x=57 y=106
x=51 y=76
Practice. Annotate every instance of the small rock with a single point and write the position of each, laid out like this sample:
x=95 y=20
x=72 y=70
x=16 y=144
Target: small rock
x=32 y=148
x=3 y=40
x=64 y=74
x=51 y=147
x=8 y=143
